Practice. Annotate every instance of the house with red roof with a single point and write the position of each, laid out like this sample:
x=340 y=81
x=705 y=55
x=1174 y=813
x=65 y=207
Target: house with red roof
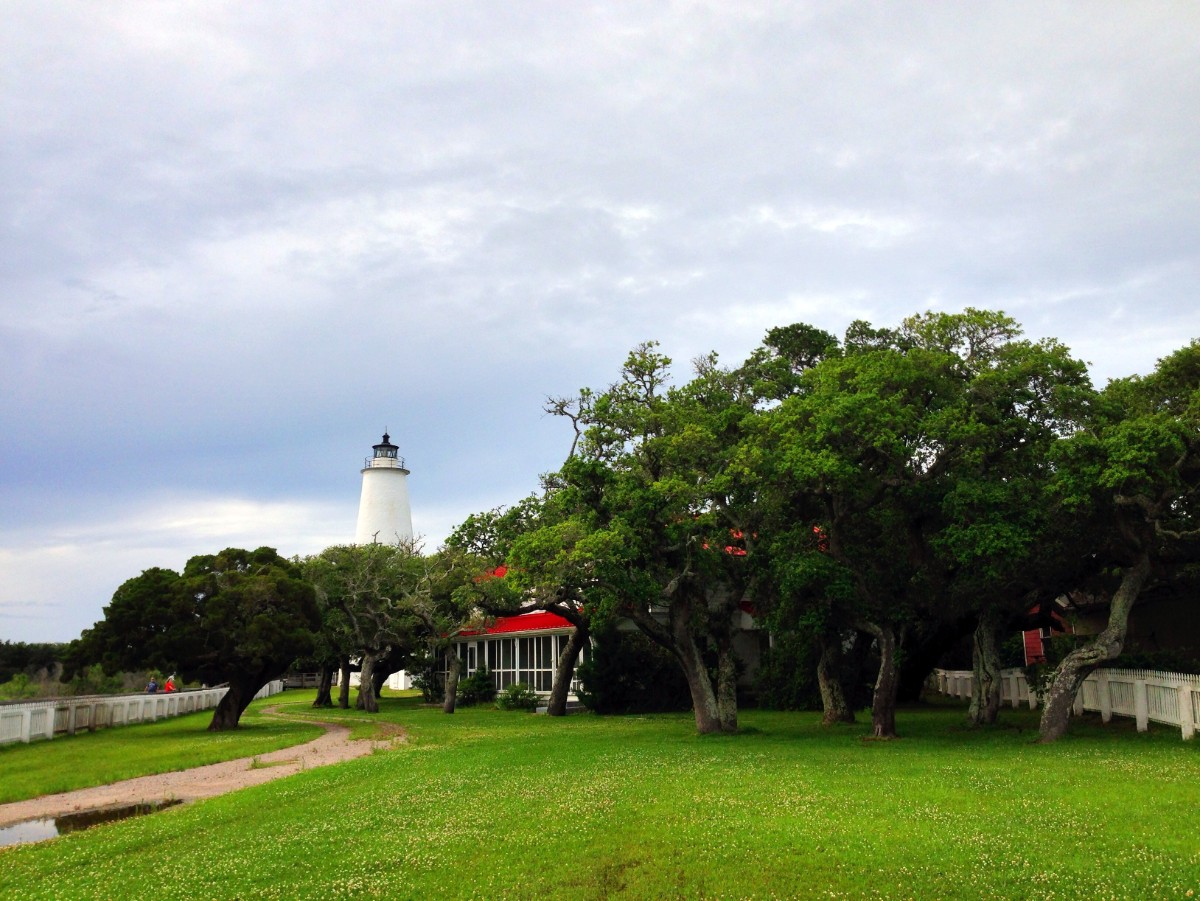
x=521 y=648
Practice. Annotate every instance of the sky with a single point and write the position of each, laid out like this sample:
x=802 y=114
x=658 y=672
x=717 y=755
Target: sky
x=239 y=240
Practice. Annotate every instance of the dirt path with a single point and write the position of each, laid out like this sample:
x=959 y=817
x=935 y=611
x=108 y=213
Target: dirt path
x=204 y=781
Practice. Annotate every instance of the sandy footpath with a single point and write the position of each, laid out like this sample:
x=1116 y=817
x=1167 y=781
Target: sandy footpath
x=204 y=781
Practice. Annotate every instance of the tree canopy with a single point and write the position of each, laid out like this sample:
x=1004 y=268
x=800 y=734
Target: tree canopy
x=238 y=617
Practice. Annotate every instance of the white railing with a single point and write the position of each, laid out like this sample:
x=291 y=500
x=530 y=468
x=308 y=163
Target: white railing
x=1145 y=695
x=27 y=720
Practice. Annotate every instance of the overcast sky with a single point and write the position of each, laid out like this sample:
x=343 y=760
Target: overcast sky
x=238 y=240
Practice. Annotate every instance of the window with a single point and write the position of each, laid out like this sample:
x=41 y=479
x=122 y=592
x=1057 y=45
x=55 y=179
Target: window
x=531 y=659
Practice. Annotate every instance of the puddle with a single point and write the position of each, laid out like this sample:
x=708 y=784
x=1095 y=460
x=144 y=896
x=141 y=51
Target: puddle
x=52 y=827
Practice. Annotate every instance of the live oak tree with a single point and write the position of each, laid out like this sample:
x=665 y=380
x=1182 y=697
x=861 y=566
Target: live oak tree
x=239 y=617
x=661 y=528
x=533 y=563
x=902 y=452
x=794 y=591
x=999 y=544
x=447 y=605
x=332 y=649
x=367 y=591
x=1133 y=473
x=852 y=454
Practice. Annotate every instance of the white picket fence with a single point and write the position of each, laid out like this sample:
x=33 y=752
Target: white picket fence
x=27 y=720
x=1145 y=695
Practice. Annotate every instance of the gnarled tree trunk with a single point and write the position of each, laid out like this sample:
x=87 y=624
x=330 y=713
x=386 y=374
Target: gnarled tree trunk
x=344 y=683
x=727 y=711
x=564 y=671
x=887 y=682
x=695 y=671
x=985 y=671
x=454 y=669
x=366 y=684
x=829 y=681
x=704 y=701
x=324 y=687
x=1075 y=667
x=229 y=711
x=678 y=638
x=381 y=676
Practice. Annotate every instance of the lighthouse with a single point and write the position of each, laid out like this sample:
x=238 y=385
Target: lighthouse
x=384 y=516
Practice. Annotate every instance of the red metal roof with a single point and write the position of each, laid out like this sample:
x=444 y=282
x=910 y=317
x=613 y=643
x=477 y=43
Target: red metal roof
x=528 y=622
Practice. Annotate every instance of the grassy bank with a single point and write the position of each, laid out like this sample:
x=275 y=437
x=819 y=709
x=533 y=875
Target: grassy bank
x=123 y=752
x=490 y=805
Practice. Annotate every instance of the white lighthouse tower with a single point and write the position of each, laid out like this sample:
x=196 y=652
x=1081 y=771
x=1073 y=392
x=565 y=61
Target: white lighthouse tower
x=384 y=515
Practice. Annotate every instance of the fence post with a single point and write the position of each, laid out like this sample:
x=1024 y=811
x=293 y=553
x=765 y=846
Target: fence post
x=1141 y=705
x=1105 y=695
x=1015 y=688
x=1187 y=713
x=27 y=723
x=1077 y=707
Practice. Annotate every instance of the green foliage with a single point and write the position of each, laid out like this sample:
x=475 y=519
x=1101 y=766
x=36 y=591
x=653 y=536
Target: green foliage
x=425 y=669
x=627 y=673
x=787 y=675
x=518 y=696
x=1162 y=661
x=1012 y=652
x=477 y=688
x=19 y=687
x=93 y=680
x=238 y=616
x=29 y=658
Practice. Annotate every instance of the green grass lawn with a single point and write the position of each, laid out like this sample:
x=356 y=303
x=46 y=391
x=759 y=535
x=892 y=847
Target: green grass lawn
x=122 y=752
x=486 y=804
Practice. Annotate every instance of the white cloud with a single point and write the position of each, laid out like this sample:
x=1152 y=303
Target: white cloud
x=58 y=579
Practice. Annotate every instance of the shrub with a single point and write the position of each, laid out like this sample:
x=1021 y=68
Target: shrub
x=476 y=688
x=627 y=673
x=425 y=669
x=787 y=675
x=518 y=696
x=19 y=687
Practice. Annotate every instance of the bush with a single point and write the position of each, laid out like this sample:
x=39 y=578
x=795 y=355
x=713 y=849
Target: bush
x=787 y=676
x=627 y=673
x=19 y=687
x=425 y=669
x=518 y=696
x=477 y=688
x=93 y=680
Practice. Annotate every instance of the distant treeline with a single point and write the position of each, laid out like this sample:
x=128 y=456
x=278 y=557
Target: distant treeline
x=28 y=658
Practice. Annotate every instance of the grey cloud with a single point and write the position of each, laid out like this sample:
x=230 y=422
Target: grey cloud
x=240 y=239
